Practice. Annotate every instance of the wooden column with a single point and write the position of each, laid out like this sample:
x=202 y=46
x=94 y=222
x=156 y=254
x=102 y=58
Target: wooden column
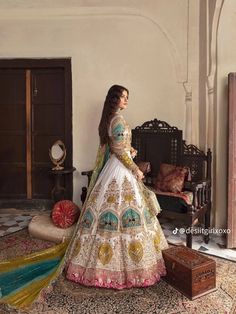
x=231 y=224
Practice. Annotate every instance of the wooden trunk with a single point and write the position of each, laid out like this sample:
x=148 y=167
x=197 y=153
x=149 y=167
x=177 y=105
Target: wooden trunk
x=190 y=272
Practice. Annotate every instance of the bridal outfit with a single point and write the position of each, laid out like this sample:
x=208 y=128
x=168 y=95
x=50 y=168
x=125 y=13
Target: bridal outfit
x=119 y=241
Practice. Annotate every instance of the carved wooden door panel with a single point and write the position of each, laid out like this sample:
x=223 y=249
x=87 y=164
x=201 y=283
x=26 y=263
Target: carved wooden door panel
x=12 y=133
x=231 y=219
x=35 y=111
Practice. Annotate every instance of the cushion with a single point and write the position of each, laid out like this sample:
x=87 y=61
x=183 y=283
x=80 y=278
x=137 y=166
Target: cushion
x=65 y=213
x=42 y=227
x=171 y=178
x=144 y=166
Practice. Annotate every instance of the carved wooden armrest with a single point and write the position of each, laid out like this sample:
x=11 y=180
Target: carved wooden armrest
x=192 y=186
x=201 y=192
x=149 y=179
x=84 y=188
x=88 y=174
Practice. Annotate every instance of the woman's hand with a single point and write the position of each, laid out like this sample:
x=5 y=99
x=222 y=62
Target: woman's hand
x=139 y=175
x=133 y=152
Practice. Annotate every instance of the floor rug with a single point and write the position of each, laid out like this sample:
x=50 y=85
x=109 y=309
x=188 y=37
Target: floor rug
x=71 y=298
x=21 y=243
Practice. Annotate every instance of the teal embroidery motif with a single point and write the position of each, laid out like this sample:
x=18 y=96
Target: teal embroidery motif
x=131 y=219
x=108 y=221
x=118 y=132
x=87 y=219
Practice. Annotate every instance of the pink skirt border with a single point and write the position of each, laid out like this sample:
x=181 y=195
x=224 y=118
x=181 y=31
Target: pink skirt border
x=116 y=279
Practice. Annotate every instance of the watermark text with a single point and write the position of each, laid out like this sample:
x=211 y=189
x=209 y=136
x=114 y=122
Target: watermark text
x=199 y=230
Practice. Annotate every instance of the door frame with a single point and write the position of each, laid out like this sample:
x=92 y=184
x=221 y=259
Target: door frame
x=65 y=64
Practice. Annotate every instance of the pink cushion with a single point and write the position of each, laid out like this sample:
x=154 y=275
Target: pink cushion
x=171 y=178
x=65 y=213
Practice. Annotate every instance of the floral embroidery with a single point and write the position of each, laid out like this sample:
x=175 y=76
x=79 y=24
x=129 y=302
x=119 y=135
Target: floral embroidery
x=108 y=221
x=131 y=218
x=111 y=195
x=150 y=200
x=105 y=253
x=87 y=219
x=148 y=216
x=156 y=241
x=135 y=251
x=94 y=195
x=77 y=248
x=128 y=194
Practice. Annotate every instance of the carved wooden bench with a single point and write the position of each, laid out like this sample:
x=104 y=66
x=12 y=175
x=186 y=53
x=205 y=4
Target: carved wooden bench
x=158 y=142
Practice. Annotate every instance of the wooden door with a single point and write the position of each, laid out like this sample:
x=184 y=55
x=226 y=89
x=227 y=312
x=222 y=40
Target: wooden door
x=231 y=219
x=35 y=111
x=12 y=134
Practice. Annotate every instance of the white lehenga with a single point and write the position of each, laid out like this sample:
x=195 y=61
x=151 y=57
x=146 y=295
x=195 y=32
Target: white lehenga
x=119 y=241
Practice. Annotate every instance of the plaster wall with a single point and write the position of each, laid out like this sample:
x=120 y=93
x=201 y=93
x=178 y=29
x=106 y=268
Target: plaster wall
x=143 y=45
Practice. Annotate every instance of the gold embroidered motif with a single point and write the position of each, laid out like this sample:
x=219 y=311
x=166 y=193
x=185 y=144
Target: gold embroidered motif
x=150 y=200
x=105 y=253
x=112 y=193
x=128 y=198
x=156 y=241
x=128 y=194
x=111 y=199
x=92 y=200
x=135 y=251
x=125 y=159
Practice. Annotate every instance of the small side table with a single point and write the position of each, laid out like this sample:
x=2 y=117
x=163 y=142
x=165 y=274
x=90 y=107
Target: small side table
x=59 y=191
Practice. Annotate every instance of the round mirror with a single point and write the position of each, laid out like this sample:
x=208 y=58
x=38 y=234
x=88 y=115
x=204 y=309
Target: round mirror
x=57 y=154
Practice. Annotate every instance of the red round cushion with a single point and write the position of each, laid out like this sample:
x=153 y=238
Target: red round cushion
x=65 y=213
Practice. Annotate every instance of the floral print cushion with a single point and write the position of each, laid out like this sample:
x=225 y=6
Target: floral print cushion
x=65 y=213
x=144 y=166
x=171 y=178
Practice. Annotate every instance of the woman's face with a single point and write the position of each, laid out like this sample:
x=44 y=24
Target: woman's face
x=123 y=100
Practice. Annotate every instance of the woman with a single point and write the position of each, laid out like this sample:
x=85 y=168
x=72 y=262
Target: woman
x=118 y=240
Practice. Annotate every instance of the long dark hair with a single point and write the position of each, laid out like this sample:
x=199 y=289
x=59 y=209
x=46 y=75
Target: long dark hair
x=109 y=109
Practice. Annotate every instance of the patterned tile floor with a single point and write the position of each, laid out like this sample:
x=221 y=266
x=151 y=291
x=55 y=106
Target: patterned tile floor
x=13 y=220
x=10 y=223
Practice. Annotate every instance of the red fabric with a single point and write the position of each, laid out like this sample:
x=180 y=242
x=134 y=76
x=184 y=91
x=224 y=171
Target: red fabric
x=171 y=178
x=65 y=213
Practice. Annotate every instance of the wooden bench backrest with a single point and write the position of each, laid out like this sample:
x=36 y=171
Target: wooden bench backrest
x=158 y=142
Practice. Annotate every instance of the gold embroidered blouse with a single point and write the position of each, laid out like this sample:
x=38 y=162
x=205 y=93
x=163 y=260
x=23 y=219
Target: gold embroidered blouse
x=120 y=141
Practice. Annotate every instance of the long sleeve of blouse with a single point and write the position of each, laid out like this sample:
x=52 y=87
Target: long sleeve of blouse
x=120 y=142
